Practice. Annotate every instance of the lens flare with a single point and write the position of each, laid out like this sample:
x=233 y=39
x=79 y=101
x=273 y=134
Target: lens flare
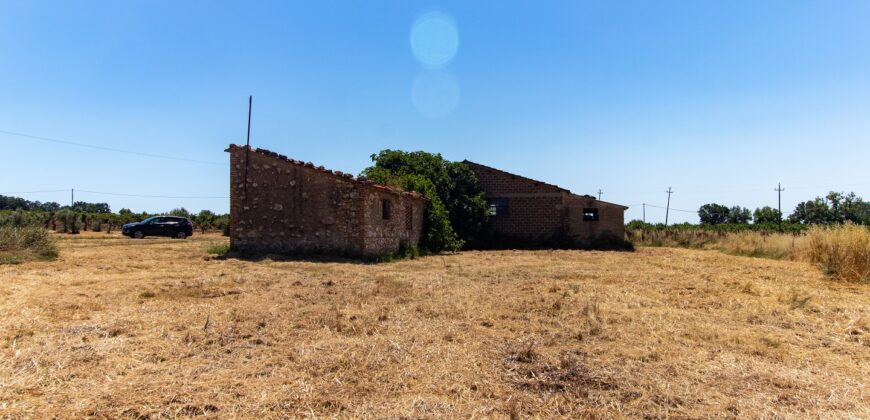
x=434 y=39
x=435 y=94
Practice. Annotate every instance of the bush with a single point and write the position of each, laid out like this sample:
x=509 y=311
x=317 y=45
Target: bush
x=841 y=251
x=19 y=244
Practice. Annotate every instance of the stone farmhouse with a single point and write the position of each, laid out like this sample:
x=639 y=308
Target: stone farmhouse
x=530 y=211
x=283 y=205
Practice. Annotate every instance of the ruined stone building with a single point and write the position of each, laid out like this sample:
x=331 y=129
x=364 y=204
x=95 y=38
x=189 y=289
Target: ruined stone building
x=283 y=205
x=528 y=210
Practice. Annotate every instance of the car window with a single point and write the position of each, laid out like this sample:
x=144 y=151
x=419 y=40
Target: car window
x=157 y=220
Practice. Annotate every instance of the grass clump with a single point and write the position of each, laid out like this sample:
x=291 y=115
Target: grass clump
x=25 y=243
x=842 y=252
x=218 y=248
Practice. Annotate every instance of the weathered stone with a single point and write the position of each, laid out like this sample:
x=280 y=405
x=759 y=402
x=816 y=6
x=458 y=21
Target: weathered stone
x=307 y=208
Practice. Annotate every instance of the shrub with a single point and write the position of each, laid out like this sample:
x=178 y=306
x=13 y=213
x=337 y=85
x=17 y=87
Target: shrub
x=841 y=251
x=18 y=244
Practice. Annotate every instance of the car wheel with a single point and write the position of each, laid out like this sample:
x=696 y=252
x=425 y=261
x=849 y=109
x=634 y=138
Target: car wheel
x=138 y=234
x=181 y=235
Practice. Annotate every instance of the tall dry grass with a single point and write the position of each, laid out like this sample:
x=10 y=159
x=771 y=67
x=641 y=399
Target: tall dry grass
x=25 y=243
x=842 y=251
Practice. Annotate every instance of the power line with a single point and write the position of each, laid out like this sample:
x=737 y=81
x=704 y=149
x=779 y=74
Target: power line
x=108 y=149
x=663 y=207
x=119 y=194
x=33 y=192
x=152 y=196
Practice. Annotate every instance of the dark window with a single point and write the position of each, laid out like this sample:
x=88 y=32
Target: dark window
x=385 y=209
x=590 y=215
x=498 y=207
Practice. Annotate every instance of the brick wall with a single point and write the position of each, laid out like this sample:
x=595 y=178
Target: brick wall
x=539 y=211
x=287 y=206
x=610 y=218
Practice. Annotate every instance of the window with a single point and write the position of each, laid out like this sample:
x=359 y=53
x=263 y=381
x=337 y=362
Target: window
x=385 y=209
x=498 y=207
x=409 y=216
x=590 y=215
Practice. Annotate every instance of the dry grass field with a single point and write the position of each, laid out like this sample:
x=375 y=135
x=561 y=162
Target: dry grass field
x=146 y=329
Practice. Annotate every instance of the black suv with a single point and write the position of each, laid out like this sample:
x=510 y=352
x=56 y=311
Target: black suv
x=172 y=226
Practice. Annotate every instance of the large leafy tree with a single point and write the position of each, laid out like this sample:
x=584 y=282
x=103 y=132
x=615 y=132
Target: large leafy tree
x=713 y=214
x=836 y=207
x=454 y=194
x=739 y=215
x=765 y=215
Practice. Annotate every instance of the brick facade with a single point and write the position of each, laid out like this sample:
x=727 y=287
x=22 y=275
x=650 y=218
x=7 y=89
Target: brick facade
x=288 y=206
x=536 y=211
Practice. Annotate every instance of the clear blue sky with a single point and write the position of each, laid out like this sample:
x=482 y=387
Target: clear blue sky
x=720 y=100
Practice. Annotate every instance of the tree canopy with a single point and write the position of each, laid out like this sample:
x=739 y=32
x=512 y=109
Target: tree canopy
x=457 y=209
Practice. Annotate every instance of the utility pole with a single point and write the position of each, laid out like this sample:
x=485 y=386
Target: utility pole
x=668 y=208
x=644 y=212
x=779 y=189
x=72 y=195
x=599 y=193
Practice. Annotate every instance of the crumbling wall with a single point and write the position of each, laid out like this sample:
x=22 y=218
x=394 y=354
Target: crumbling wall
x=402 y=226
x=286 y=206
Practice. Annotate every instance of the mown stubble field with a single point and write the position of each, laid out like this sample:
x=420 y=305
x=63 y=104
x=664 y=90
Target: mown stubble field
x=123 y=328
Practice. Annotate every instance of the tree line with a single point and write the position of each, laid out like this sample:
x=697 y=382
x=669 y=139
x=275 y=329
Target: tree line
x=97 y=217
x=833 y=208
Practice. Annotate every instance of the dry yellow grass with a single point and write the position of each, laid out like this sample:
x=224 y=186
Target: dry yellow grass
x=124 y=328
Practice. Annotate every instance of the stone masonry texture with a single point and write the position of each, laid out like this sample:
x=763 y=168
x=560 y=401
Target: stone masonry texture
x=281 y=205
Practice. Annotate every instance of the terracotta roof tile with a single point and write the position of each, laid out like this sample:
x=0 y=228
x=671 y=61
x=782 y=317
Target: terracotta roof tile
x=346 y=176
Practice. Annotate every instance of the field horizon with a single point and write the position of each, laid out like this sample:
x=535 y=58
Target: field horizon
x=156 y=328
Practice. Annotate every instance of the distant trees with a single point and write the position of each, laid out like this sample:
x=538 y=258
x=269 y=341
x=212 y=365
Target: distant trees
x=836 y=207
x=766 y=215
x=713 y=214
x=84 y=207
x=716 y=214
x=739 y=215
x=180 y=212
x=17 y=203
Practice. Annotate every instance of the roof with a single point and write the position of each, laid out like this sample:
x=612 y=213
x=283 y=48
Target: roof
x=565 y=190
x=347 y=177
x=468 y=162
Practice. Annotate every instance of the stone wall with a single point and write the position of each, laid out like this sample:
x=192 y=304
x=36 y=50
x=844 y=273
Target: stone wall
x=288 y=206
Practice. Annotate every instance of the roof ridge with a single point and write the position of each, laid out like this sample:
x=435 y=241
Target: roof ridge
x=466 y=161
x=363 y=181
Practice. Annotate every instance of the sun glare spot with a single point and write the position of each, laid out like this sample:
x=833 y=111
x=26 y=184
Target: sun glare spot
x=434 y=39
x=435 y=94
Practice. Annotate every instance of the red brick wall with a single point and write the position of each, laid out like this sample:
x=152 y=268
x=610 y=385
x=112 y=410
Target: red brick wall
x=539 y=211
x=610 y=218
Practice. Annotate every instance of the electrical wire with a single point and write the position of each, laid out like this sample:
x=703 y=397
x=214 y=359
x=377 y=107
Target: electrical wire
x=152 y=196
x=109 y=149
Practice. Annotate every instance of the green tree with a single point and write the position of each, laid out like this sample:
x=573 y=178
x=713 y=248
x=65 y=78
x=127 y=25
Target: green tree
x=205 y=220
x=739 y=215
x=453 y=184
x=765 y=215
x=713 y=214
x=181 y=212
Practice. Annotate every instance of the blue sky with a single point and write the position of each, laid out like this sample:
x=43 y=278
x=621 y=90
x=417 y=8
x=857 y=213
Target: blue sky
x=719 y=100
